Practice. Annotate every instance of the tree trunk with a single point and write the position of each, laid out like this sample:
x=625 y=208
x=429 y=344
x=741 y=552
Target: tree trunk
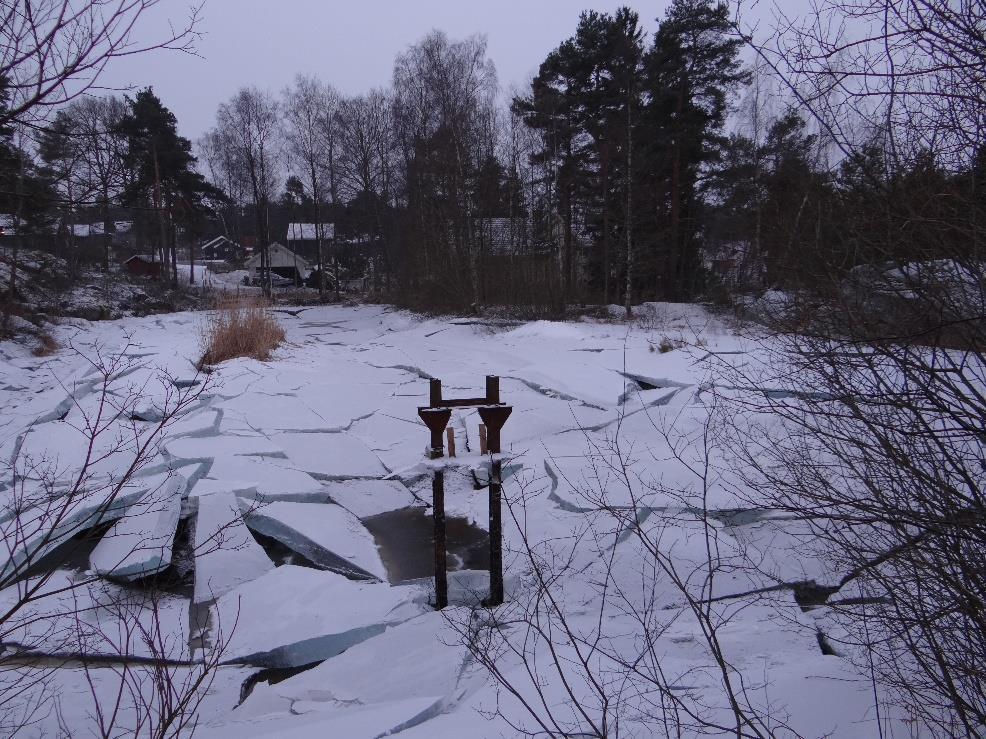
x=173 y=239
x=162 y=227
x=629 y=206
x=107 y=229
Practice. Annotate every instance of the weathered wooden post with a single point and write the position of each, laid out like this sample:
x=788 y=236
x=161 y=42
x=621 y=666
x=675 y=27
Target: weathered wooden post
x=450 y=434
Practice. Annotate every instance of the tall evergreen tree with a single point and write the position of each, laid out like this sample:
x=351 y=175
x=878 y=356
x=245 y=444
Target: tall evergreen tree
x=584 y=103
x=690 y=70
x=163 y=175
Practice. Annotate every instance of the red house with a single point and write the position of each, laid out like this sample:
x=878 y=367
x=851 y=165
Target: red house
x=142 y=266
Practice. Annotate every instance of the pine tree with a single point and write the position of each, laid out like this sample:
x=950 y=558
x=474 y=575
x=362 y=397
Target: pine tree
x=583 y=103
x=163 y=175
x=690 y=70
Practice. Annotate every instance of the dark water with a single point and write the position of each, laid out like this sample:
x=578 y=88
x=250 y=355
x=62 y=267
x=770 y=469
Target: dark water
x=404 y=538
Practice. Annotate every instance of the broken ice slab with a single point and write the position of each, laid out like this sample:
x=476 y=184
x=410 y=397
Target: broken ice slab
x=296 y=615
x=72 y=613
x=425 y=660
x=322 y=720
x=336 y=455
x=328 y=535
x=34 y=533
x=198 y=447
x=226 y=554
x=266 y=479
x=140 y=543
x=370 y=497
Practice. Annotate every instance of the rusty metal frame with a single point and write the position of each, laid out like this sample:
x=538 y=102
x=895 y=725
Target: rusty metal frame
x=436 y=417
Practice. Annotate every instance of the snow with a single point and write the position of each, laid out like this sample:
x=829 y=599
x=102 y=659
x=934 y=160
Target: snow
x=301 y=448
x=366 y=498
x=332 y=455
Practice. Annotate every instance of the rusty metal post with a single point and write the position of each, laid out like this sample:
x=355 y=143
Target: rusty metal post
x=436 y=419
x=438 y=512
x=496 y=534
x=494 y=417
x=450 y=436
x=435 y=394
x=492 y=389
x=482 y=438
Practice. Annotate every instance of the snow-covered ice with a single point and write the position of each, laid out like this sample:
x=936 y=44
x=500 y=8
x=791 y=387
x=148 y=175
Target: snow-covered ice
x=226 y=555
x=304 y=447
x=328 y=535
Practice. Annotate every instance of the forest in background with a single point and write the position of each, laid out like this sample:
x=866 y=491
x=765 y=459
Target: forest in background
x=632 y=168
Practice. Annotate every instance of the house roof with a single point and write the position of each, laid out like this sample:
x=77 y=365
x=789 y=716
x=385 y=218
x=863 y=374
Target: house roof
x=309 y=231
x=275 y=249
x=219 y=240
x=140 y=258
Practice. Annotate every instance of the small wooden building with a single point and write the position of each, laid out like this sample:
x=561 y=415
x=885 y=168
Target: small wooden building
x=140 y=265
x=221 y=248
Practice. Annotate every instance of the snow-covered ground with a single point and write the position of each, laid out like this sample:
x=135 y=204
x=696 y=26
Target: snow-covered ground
x=295 y=453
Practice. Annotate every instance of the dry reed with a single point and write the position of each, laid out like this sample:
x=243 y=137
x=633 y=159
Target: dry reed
x=240 y=327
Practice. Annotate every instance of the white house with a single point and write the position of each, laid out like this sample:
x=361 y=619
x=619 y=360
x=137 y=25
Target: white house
x=283 y=262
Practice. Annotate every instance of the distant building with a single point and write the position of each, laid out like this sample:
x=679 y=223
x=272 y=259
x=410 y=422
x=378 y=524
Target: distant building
x=502 y=236
x=283 y=262
x=221 y=248
x=7 y=225
x=302 y=238
x=140 y=265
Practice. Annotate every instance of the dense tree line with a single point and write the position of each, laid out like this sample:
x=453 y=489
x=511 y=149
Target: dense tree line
x=633 y=167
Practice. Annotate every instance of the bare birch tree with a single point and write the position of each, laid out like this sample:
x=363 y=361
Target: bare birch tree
x=53 y=51
x=310 y=109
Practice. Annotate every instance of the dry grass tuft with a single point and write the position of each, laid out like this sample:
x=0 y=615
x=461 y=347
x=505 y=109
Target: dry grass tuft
x=241 y=327
x=46 y=346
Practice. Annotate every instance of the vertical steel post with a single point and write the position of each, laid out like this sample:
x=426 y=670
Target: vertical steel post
x=435 y=394
x=496 y=534
x=492 y=389
x=438 y=511
x=496 y=524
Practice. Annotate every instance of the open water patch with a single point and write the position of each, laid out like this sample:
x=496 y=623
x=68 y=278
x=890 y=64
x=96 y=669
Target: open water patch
x=405 y=540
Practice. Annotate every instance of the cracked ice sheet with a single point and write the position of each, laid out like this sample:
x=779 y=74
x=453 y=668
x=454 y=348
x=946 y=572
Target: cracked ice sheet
x=218 y=446
x=330 y=455
x=425 y=661
x=319 y=531
x=73 y=612
x=359 y=723
x=370 y=497
x=140 y=543
x=226 y=554
x=295 y=615
x=256 y=477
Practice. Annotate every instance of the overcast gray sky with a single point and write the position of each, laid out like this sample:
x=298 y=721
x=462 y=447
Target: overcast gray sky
x=348 y=43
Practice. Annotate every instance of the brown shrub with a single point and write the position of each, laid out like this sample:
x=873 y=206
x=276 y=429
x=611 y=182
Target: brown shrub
x=241 y=327
x=46 y=346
